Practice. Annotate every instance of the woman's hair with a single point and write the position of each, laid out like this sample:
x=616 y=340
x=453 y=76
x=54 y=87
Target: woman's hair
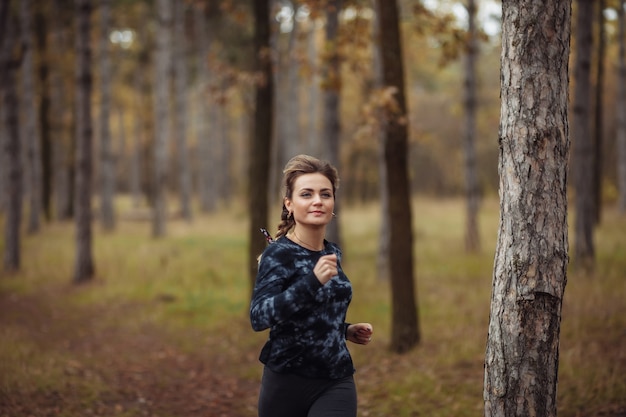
x=297 y=166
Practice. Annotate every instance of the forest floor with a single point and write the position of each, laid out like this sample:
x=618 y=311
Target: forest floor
x=117 y=370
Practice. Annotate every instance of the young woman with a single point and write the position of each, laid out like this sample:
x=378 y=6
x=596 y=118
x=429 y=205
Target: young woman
x=302 y=295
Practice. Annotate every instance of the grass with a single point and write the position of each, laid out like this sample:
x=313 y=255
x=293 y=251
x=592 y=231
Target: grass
x=193 y=282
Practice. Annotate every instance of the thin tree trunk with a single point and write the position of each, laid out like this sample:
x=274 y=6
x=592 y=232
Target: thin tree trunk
x=621 y=112
x=107 y=163
x=530 y=267
x=259 y=157
x=405 y=333
x=9 y=65
x=181 y=115
x=313 y=95
x=29 y=133
x=331 y=130
x=598 y=116
x=161 y=115
x=472 y=236
x=581 y=137
x=84 y=269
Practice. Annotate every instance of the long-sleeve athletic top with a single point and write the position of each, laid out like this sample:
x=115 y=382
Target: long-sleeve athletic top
x=306 y=319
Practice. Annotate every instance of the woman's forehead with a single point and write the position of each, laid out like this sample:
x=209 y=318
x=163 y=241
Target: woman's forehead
x=314 y=181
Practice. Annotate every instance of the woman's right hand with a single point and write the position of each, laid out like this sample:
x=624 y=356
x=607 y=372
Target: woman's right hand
x=326 y=268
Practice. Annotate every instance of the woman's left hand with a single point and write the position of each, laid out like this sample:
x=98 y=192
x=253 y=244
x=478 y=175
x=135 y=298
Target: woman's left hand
x=360 y=333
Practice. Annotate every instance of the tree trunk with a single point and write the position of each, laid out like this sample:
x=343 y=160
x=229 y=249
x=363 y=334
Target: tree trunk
x=405 y=332
x=598 y=116
x=530 y=267
x=84 y=268
x=29 y=133
x=181 y=121
x=331 y=130
x=9 y=65
x=621 y=113
x=45 y=127
x=259 y=157
x=472 y=196
x=581 y=137
x=107 y=163
x=161 y=116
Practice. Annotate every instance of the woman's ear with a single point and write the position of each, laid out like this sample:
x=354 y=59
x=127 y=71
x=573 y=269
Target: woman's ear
x=287 y=204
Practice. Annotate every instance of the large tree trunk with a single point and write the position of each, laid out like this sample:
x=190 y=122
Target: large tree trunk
x=259 y=157
x=180 y=114
x=9 y=65
x=472 y=196
x=331 y=129
x=107 y=162
x=161 y=116
x=84 y=268
x=530 y=267
x=405 y=332
x=621 y=112
x=29 y=133
x=581 y=137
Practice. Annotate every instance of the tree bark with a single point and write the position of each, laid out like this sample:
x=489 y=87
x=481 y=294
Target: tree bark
x=530 y=267
x=472 y=195
x=581 y=137
x=84 y=268
x=107 y=162
x=161 y=116
x=405 y=332
x=259 y=157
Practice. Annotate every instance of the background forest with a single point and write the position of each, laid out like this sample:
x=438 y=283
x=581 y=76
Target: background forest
x=160 y=328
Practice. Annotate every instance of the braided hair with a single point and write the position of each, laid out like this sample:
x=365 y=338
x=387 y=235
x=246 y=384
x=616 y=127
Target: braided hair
x=297 y=166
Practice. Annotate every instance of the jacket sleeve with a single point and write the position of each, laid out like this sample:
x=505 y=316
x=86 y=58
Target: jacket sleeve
x=272 y=300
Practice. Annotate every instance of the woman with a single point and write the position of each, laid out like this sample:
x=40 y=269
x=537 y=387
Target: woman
x=302 y=295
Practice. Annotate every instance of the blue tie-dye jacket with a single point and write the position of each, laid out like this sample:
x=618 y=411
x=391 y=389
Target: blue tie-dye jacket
x=306 y=319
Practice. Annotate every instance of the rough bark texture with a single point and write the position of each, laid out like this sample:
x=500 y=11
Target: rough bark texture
x=161 y=116
x=621 y=113
x=259 y=157
x=472 y=197
x=405 y=332
x=582 y=140
x=521 y=362
x=84 y=268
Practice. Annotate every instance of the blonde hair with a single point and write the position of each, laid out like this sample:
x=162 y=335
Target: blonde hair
x=297 y=166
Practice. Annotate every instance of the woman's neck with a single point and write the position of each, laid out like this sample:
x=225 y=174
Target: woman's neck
x=310 y=239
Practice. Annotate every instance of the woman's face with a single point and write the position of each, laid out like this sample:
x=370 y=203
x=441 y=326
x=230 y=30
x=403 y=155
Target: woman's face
x=312 y=200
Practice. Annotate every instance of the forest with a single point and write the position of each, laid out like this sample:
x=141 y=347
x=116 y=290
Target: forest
x=481 y=147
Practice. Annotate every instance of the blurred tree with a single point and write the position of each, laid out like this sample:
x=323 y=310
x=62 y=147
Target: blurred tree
x=84 y=269
x=259 y=156
x=331 y=97
x=10 y=60
x=30 y=136
x=621 y=111
x=161 y=115
x=405 y=332
x=107 y=159
x=530 y=267
x=581 y=136
x=599 y=114
x=472 y=192
x=181 y=50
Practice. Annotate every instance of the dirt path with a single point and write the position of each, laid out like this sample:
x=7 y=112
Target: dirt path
x=113 y=369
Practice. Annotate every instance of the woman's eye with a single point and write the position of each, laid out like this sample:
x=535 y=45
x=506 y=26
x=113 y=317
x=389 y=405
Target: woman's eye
x=326 y=195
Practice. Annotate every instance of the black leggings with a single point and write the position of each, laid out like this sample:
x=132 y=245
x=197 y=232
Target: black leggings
x=287 y=395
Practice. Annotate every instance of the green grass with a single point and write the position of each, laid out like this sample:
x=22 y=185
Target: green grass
x=194 y=282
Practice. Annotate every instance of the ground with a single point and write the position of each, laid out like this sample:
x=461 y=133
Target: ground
x=93 y=367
